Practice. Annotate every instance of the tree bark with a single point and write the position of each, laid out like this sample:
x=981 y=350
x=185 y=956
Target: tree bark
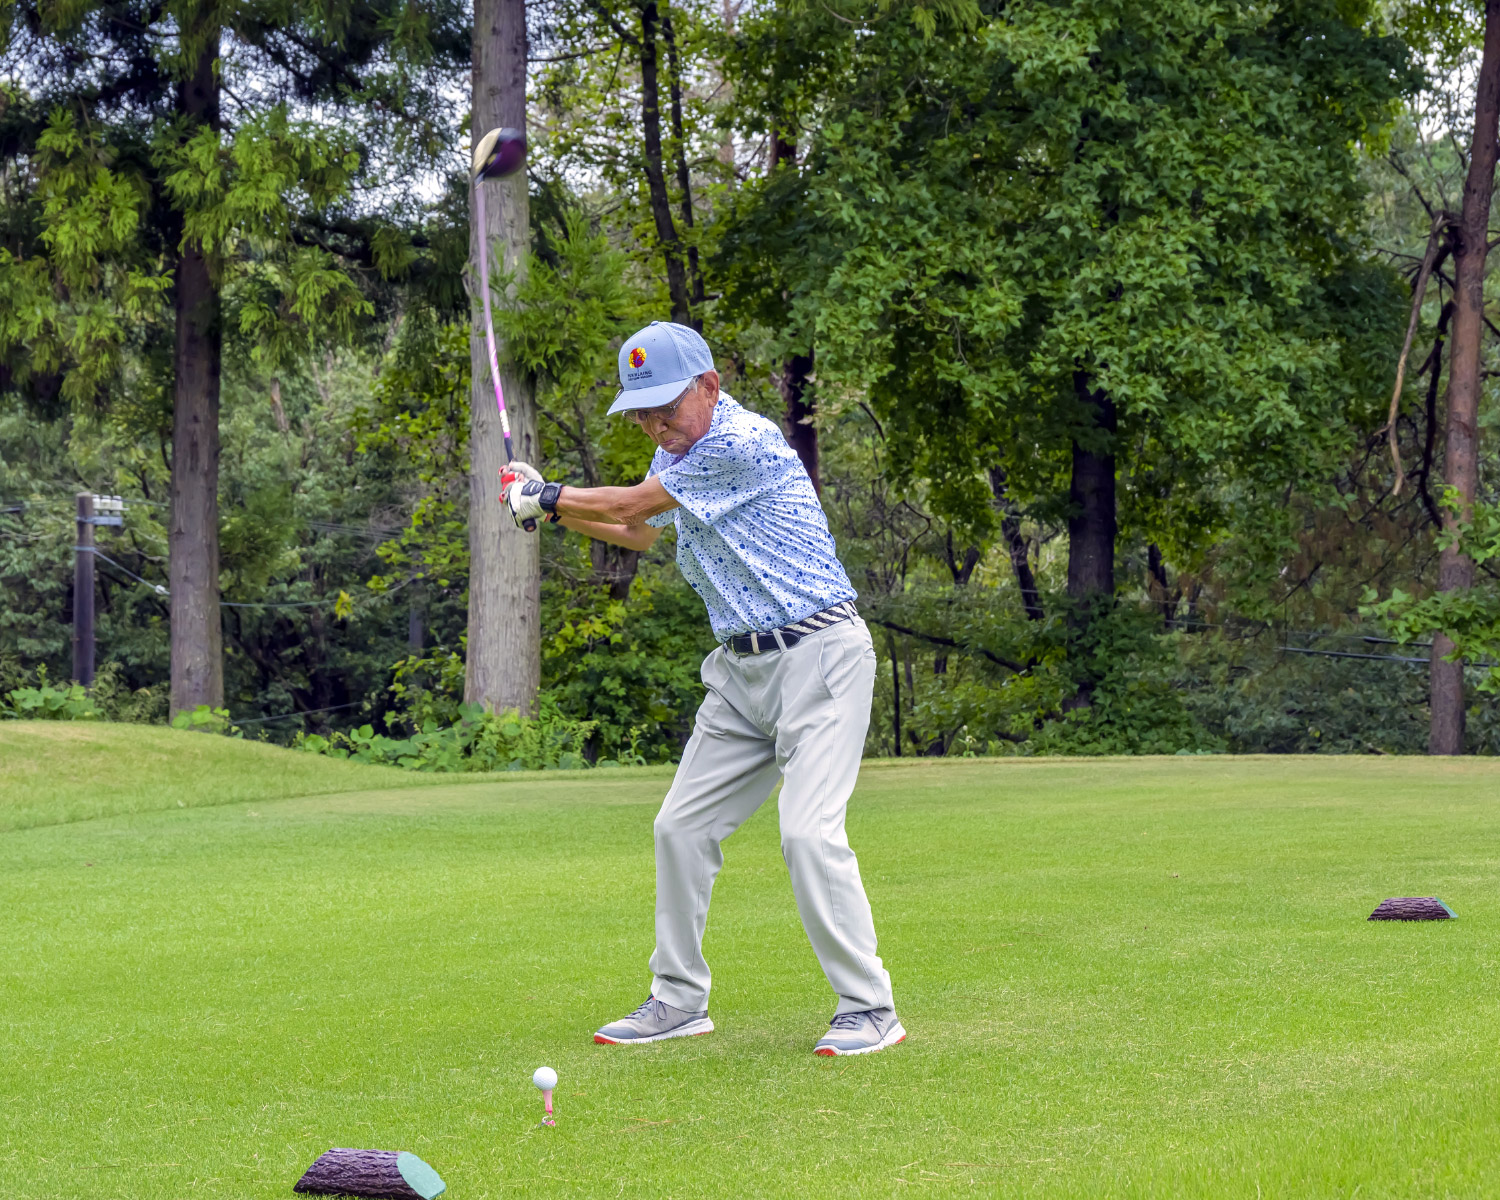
x=1015 y=545
x=1092 y=522
x=416 y=624
x=197 y=650
x=505 y=601
x=614 y=567
x=1461 y=448
x=1434 y=364
x=800 y=406
x=656 y=179
x=895 y=694
x=679 y=157
x=801 y=414
x=1159 y=587
x=1091 y=495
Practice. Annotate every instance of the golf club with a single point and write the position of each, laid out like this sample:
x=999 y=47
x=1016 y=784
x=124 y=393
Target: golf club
x=501 y=152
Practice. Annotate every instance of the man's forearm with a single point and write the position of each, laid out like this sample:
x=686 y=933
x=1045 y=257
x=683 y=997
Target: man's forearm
x=613 y=505
x=632 y=537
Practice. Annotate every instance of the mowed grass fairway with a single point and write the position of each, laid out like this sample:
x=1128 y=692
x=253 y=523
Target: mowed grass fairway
x=1121 y=978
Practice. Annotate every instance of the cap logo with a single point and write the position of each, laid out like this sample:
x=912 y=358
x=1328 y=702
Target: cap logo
x=637 y=358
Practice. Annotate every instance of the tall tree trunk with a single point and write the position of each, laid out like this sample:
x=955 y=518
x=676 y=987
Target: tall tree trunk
x=416 y=623
x=801 y=414
x=1091 y=524
x=729 y=11
x=1159 y=587
x=1461 y=451
x=890 y=642
x=193 y=539
x=505 y=601
x=679 y=158
x=614 y=567
x=800 y=406
x=1015 y=545
x=656 y=178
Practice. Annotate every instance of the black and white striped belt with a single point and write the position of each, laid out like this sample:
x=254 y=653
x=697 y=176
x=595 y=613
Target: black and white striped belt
x=789 y=635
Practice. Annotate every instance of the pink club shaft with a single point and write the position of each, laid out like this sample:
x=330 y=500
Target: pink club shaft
x=489 y=324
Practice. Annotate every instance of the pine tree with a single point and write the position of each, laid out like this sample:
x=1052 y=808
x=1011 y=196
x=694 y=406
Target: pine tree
x=206 y=176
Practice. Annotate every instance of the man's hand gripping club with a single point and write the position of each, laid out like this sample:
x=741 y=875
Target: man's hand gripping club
x=523 y=490
x=611 y=514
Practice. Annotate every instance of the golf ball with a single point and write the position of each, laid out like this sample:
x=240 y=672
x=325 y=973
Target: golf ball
x=545 y=1078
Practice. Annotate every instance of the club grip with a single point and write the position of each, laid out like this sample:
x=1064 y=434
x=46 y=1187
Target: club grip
x=529 y=525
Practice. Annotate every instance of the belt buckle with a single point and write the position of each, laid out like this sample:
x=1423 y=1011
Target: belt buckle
x=729 y=645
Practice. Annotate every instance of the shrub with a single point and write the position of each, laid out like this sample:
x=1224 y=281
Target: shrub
x=46 y=702
x=204 y=719
x=478 y=739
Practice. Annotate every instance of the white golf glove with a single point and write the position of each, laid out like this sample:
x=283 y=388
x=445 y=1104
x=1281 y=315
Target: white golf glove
x=522 y=488
x=524 y=470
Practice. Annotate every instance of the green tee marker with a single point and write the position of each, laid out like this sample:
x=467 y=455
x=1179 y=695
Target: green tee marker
x=421 y=1178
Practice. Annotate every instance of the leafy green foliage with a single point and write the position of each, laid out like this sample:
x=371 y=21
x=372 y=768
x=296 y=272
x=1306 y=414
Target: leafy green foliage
x=1155 y=201
x=48 y=702
x=304 y=511
x=418 y=415
x=1471 y=617
x=284 y=180
x=975 y=207
x=477 y=740
x=631 y=667
x=206 y=719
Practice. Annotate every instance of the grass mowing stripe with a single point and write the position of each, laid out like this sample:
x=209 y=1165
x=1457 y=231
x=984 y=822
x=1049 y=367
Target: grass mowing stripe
x=1140 y=978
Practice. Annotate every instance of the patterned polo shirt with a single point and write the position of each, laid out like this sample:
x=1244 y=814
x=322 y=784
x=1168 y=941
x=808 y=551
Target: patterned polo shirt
x=752 y=539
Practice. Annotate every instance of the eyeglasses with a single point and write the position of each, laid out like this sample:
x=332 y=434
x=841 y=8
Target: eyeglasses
x=641 y=415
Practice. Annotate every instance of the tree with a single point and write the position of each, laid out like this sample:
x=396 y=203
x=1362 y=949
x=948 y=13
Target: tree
x=627 y=111
x=1107 y=248
x=504 y=655
x=623 y=86
x=189 y=178
x=1461 y=449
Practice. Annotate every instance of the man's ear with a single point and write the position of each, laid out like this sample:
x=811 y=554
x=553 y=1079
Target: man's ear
x=709 y=382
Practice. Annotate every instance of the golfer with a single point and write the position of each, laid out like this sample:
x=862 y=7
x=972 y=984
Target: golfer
x=788 y=688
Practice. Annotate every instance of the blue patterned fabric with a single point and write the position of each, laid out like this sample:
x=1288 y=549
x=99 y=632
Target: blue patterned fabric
x=752 y=539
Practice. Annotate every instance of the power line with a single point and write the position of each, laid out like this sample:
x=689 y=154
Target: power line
x=162 y=591
x=1379 y=657
x=1348 y=654
x=305 y=713
x=1368 y=638
x=273 y=604
x=97 y=553
x=334 y=528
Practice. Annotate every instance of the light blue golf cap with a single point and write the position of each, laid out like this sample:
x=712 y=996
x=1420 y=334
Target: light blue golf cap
x=657 y=363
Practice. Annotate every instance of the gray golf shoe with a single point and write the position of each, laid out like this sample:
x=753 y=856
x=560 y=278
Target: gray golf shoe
x=861 y=1032
x=654 y=1021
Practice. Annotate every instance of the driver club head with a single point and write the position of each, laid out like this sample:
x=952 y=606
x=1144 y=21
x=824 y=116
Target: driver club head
x=500 y=152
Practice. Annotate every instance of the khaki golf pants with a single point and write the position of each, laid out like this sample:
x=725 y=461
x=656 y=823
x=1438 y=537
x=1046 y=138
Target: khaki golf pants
x=801 y=714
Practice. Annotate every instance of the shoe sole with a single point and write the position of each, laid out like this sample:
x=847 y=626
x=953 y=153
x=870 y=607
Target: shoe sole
x=688 y=1029
x=894 y=1036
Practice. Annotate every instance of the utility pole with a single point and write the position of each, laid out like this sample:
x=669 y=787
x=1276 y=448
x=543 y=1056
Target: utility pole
x=83 y=592
x=93 y=511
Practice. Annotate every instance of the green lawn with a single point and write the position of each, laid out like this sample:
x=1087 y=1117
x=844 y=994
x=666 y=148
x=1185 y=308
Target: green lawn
x=1121 y=978
x=56 y=771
